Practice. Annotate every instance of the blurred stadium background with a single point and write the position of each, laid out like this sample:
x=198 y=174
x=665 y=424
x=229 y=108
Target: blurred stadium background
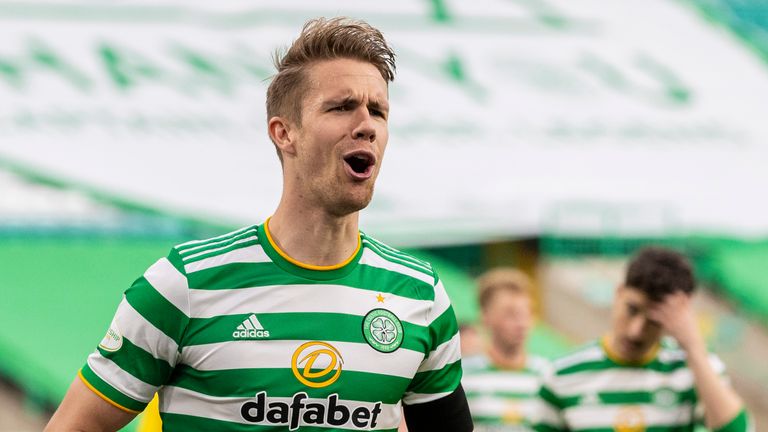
x=554 y=135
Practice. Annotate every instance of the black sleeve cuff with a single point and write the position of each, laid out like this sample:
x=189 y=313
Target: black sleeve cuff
x=448 y=414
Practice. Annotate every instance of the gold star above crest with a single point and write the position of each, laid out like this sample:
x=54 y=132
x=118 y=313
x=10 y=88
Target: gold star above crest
x=380 y=298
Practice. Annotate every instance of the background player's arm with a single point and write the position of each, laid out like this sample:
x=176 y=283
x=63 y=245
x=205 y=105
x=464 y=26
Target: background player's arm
x=83 y=410
x=721 y=403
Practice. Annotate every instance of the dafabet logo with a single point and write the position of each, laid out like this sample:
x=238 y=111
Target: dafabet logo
x=316 y=364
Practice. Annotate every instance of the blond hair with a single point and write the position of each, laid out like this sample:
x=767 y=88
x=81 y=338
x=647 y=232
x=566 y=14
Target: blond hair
x=502 y=279
x=324 y=39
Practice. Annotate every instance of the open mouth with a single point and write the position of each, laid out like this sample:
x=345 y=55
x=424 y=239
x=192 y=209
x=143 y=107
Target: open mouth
x=361 y=163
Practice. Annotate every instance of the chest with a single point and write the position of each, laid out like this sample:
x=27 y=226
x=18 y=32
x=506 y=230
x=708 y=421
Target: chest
x=321 y=339
x=630 y=400
x=506 y=399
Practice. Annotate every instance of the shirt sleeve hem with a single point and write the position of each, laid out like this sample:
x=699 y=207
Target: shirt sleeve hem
x=101 y=395
x=738 y=424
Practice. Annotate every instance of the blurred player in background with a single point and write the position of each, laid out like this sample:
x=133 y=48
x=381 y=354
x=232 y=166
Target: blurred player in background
x=503 y=383
x=632 y=379
x=301 y=321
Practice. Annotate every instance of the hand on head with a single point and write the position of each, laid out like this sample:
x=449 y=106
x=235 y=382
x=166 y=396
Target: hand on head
x=676 y=316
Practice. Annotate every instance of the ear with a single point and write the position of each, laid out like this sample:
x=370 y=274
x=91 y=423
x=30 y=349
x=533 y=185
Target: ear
x=283 y=134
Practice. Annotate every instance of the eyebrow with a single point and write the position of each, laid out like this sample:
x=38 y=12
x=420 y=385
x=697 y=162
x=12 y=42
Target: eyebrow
x=352 y=100
x=379 y=105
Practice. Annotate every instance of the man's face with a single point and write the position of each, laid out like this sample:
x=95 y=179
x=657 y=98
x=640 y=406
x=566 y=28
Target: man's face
x=508 y=317
x=633 y=333
x=340 y=144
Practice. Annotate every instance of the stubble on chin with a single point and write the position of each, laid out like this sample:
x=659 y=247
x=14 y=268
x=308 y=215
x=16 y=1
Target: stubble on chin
x=346 y=202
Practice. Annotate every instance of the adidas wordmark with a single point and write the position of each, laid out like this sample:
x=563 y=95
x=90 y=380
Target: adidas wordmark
x=250 y=328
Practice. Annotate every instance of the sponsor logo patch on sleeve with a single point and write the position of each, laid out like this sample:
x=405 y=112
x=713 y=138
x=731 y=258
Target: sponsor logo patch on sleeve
x=113 y=340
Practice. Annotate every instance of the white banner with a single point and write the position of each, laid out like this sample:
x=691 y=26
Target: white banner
x=508 y=117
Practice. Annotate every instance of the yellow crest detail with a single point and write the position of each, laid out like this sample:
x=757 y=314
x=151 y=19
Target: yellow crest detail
x=630 y=419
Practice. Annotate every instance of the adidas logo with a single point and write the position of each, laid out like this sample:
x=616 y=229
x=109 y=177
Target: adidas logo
x=250 y=329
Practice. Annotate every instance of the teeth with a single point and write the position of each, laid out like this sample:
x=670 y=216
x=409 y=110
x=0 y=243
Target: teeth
x=359 y=159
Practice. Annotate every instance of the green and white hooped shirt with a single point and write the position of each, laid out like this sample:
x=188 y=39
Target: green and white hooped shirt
x=593 y=390
x=503 y=400
x=233 y=334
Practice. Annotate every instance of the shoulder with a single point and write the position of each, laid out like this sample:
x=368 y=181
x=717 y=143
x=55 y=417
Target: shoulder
x=379 y=255
x=671 y=353
x=580 y=358
x=239 y=245
x=475 y=364
x=671 y=356
x=539 y=365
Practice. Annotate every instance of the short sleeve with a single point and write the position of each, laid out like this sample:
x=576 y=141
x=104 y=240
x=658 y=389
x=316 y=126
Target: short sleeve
x=740 y=423
x=141 y=347
x=440 y=372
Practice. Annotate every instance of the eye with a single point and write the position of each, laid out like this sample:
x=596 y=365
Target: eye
x=340 y=108
x=633 y=310
x=378 y=113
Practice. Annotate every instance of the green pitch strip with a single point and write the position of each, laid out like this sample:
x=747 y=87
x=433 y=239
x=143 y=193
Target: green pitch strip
x=57 y=297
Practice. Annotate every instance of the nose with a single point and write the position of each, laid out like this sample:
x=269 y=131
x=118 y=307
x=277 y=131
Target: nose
x=364 y=126
x=636 y=327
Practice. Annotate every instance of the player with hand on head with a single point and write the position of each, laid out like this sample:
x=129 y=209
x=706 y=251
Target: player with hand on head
x=633 y=379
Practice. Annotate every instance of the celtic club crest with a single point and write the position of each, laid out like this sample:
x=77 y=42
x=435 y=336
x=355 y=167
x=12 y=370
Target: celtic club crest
x=382 y=330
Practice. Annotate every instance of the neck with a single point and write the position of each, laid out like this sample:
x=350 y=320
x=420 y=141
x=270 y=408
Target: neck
x=314 y=237
x=613 y=351
x=507 y=358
